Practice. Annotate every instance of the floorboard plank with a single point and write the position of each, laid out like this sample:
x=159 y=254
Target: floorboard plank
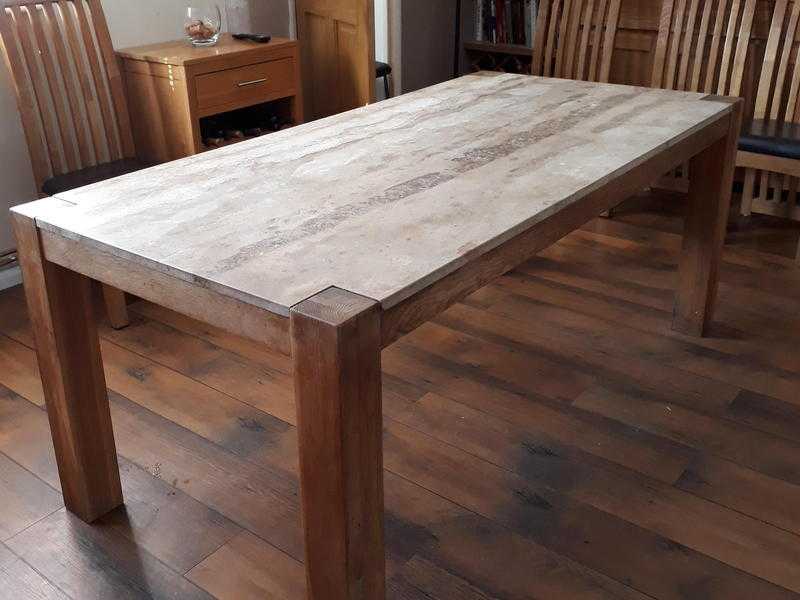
x=19 y=581
x=25 y=499
x=89 y=562
x=635 y=554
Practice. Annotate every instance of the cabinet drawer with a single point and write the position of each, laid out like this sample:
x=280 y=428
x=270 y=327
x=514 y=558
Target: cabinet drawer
x=244 y=86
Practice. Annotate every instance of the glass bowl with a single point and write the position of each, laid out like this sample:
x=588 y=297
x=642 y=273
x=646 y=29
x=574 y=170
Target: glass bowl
x=203 y=24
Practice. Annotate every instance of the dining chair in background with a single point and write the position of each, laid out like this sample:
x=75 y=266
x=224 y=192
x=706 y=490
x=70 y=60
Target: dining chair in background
x=71 y=100
x=769 y=148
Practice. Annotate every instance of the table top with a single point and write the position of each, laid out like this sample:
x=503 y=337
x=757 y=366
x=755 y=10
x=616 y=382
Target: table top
x=182 y=53
x=383 y=200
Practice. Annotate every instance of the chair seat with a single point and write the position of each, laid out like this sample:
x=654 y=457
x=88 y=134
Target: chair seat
x=382 y=69
x=773 y=138
x=89 y=175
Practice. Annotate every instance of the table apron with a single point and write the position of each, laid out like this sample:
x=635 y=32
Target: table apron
x=202 y=303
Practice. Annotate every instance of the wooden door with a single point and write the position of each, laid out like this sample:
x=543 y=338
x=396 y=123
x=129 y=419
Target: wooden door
x=337 y=45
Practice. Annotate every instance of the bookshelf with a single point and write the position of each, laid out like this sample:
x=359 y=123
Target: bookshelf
x=493 y=43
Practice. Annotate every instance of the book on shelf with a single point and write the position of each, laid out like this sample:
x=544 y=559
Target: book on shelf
x=505 y=21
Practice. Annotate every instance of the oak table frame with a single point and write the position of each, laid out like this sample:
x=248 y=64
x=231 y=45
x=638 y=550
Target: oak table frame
x=335 y=337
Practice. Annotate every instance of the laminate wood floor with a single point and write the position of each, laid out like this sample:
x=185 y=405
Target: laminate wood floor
x=548 y=438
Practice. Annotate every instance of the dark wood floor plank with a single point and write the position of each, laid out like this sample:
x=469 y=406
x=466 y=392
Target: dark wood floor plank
x=20 y=371
x=18 y=581
x=89 y=562
x=733 y=344
x=249 y=568
x=563 y=336
x=167 y=523
x=430 y=581
x=767 y=414
x=222 y=339
x=470 y=547
x=713 y=530
x=772 y=500
x=256 y=384
x=769 y=454
x=571 y=426
x=658 y=565
x=516 y=372
x=24 y=498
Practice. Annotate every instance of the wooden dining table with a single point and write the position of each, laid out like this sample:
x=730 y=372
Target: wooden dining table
x=329 y=241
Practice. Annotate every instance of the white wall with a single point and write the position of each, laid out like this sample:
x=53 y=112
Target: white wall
x=382 y=30
x=132 y=23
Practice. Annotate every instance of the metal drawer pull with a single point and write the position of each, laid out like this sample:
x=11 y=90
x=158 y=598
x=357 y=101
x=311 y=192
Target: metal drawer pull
x=254 y=82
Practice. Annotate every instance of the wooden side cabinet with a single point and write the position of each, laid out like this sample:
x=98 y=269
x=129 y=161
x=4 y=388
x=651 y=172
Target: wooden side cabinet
x=173 y=86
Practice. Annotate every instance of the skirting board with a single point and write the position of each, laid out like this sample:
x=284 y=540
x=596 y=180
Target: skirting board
x=10 y=277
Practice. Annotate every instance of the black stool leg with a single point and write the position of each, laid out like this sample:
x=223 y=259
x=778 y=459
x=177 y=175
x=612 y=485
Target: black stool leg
x=386 y=85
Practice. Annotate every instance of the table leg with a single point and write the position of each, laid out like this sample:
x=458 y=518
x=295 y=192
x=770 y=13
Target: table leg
x=68 y=349
x=336 y=344
x=710 y=187
x=116 y=307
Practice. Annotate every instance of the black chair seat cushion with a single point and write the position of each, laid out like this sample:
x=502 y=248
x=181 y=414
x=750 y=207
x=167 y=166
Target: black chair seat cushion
x=382 y=69
x=773 y=138
x=89 y=175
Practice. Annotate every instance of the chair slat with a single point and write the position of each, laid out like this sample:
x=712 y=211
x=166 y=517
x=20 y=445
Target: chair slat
x=583 y=45
x=93 y=114
x=41 y=90
x=71 y=85
x=770 y=58
x=700 y=50
x=780 y=76
x=597 y=40
x=742 y=47
x=727 y=49
x=561 y=44
x=100 y=85
x=38 y=18
x=662 y=44
x=675 y=43
x=114 y=78
x=26 y=97
x=580 y=38
x=716 y=39
x=688 y=41
x=609 y=40
x=575 y=18
x=540 y=41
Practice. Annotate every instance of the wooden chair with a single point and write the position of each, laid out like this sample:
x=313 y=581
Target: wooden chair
x=575 y=39
x=702 y=46
x=70 y=96
x=770 y=145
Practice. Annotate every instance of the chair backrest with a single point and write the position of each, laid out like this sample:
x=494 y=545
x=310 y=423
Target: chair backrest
x=774 y=100
x=68 y=84
x=702 y=45
x=575 y=39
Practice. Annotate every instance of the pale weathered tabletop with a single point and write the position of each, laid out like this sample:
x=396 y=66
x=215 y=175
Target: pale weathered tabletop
x=383 y=200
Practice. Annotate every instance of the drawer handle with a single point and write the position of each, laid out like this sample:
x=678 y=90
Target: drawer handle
x=253 y=82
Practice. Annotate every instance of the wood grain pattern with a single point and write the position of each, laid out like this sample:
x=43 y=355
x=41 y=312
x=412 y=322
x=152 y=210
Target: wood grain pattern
x=710 y=189
x=337 y=373
x=375 y=225
x=72 y=377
